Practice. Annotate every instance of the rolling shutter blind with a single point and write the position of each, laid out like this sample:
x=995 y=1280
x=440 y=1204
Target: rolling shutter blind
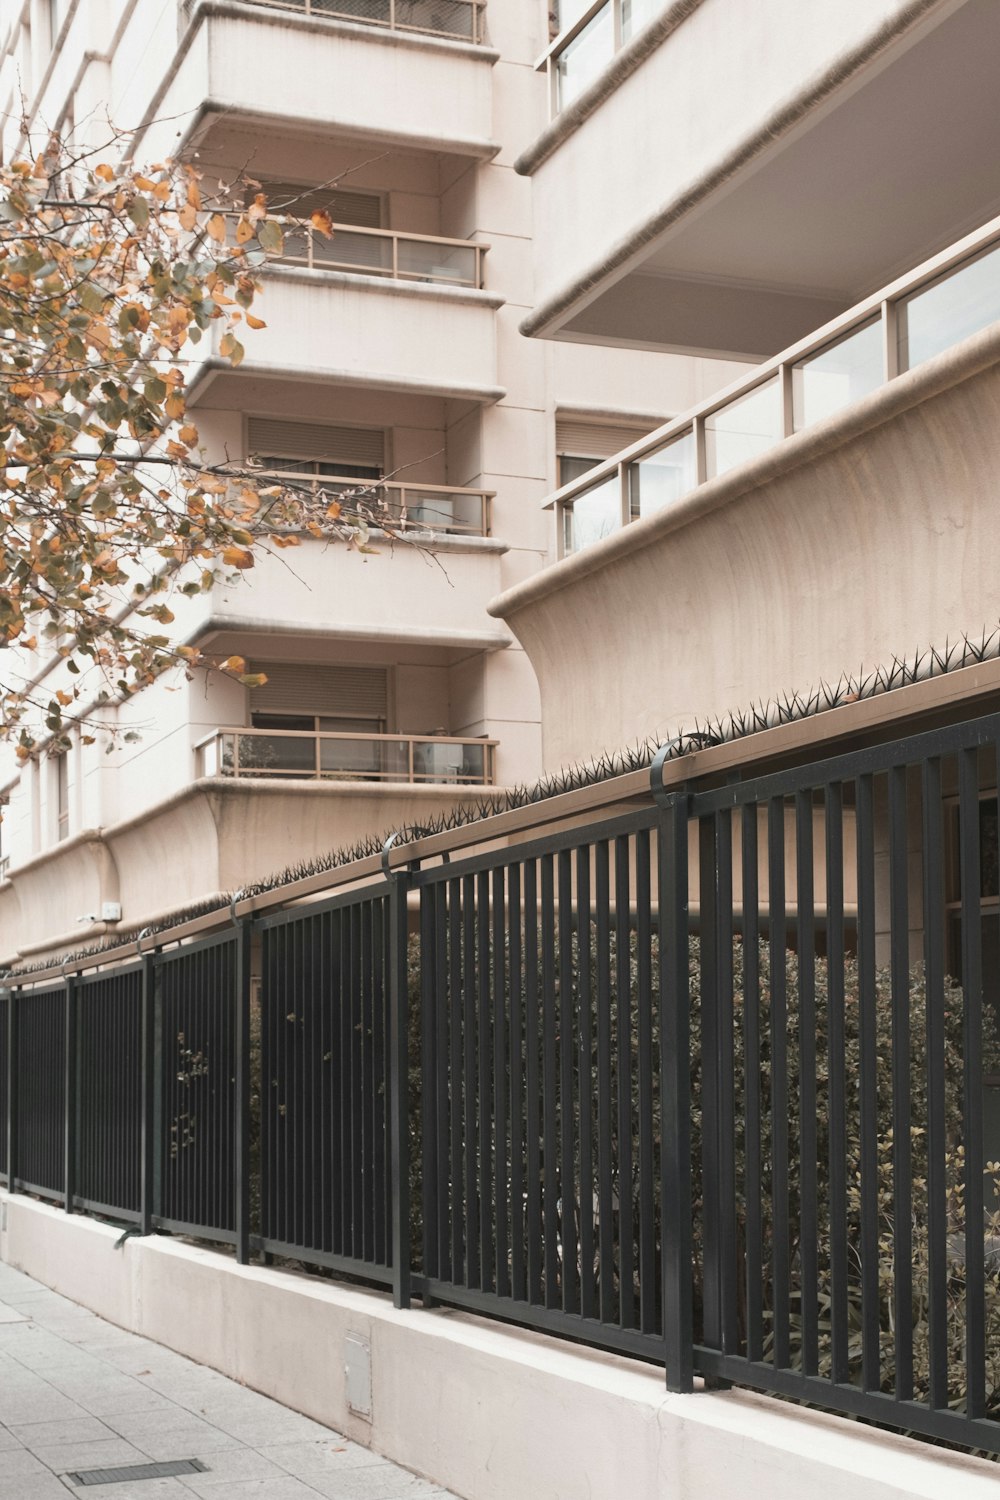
x=596 y=439
x=353 y=692
x=360 y=210
x=271 y=438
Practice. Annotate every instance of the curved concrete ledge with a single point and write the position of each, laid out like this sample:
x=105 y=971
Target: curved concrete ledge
x=545 y=319
x=621 y=66
x=865 y=536
x=382 y=35
x=356 y=281
x=485 y=395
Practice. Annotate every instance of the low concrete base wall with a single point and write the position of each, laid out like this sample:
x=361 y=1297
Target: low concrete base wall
x=492 y=1413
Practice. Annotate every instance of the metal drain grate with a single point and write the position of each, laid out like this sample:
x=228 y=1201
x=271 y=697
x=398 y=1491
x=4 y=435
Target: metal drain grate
x=140 y=1471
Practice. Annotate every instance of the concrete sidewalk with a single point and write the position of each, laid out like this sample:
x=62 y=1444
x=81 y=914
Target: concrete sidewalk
x=76 y=1394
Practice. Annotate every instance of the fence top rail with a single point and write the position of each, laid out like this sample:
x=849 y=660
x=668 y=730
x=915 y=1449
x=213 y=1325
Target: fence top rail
x=965 y=686
x=363 y=896
x=123 y=971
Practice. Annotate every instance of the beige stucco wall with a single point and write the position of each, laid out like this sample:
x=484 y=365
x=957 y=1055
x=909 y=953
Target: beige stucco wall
x=869 y=534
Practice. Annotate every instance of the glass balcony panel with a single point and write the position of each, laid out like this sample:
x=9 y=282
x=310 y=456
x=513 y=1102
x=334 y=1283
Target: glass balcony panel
x=949 y=310
x=636 y=14
x=277 y=755
x=662 y=477
x=747 y=426
x=454 y=18
x=364 y=759
x=594 y=515
x=379 y=11
x=587 y=54
x=441 y=762
x=350 y=250
x=423 y=260
x=439 y=511
x=838 y=375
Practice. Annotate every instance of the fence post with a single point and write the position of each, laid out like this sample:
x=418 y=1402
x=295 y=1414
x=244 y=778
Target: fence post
x=71 y=1096
x=675 y=1080
x=12 y=1019
x=711 y=1145
x=147 y=1071
x=399 y=1102
x=242 y=1131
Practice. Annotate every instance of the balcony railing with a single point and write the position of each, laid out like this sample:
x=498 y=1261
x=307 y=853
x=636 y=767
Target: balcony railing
x=327 y=755
x=457 y=20
x=941 y=302
x=381 y=252
x=441 y=508
x=589 y=36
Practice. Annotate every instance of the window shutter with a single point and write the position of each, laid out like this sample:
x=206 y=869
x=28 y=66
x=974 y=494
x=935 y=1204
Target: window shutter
x=291 y=688
x=596 y=439
x=360 y=210
x=271 y=438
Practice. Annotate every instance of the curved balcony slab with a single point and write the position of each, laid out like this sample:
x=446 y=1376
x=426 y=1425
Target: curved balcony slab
x=863 y=536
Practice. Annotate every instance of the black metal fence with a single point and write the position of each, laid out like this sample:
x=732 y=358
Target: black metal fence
x=709 y=1082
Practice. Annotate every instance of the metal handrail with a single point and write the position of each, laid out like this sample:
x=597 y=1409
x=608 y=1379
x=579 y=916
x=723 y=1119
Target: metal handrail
x=880 y=307
x=395 y=18
x=318 y=239
x=404 y=501
x=318 y=772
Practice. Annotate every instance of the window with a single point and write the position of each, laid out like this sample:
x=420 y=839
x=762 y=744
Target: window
x=360 y=210
x=581 y=443
x=300 y=704
x=312 y=448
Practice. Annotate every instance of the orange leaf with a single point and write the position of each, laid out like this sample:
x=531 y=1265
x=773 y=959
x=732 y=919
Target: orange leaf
x=237 y=557
x=321 y=220
x=104 y=172
x=217 y=228
x=253 y=322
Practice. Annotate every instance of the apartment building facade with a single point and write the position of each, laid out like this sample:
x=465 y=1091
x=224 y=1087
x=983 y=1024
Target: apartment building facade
x=392 y=355
x=813 y=189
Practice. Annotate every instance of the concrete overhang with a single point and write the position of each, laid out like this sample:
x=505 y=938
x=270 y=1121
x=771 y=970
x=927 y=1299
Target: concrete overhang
x=749 y=241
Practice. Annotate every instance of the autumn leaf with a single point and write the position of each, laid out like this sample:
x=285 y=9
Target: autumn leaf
x=321 y=220
x=237 y=557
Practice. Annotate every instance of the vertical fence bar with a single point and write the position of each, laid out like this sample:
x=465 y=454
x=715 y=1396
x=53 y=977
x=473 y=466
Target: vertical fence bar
x=439 y=955
x=675 y=1090
x=531 y=1080
x=588 y=1307
x=549 y=1120
x=779 y=1078
x=868 y=1095
x=937 y=1185
x=241 y=1122
x=605 y=1183
x=902 y=1186
x=429 y=1050
x=725 y=1070
x=645 y=1065
x=472 y=1264
x=71 y=1131
x=840 y=1354
x=567 y=1144
x=623 y=1046
x=500 y=1098
x=399 y=1103
x=455 y=1070
x=485 y=1084
x=517 y=1262
x=13 y=1005
x=751 y=1067
x=710 y=1143
x=972 y=1082
x=806 y=929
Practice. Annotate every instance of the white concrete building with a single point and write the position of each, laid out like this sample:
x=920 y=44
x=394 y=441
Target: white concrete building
x=813 y=188
x=393 y=351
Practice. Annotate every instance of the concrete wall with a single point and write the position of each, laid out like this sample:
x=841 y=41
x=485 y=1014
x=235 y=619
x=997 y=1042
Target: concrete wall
x=491 y=1413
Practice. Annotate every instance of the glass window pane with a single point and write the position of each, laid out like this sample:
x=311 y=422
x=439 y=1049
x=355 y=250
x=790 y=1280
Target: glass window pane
x=594 y=514
x=949 y=310
x=662 y=477
x=587 y=54
x=744 y=428
x=427 y=261
x=443 y=762
x=843 y=372
x=636 y=14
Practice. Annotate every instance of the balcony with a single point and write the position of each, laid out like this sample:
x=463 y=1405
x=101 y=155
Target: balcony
x=922 y=314
x=440 y=508
x=434 y=760
x=455 y=20
x=585 y=46
x=382 y=252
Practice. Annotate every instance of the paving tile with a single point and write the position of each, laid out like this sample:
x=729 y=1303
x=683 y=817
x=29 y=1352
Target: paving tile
x=7 y=1439
x=381 y=1481
x=285 y=1488
x=259 y=1429
x=227 y=1465
x=135 y=1489
x=330 y=1456
x=11 y=1315
x=18 y=1462
x=42 y=1486
x=35 y=1435
x=62 y=1456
